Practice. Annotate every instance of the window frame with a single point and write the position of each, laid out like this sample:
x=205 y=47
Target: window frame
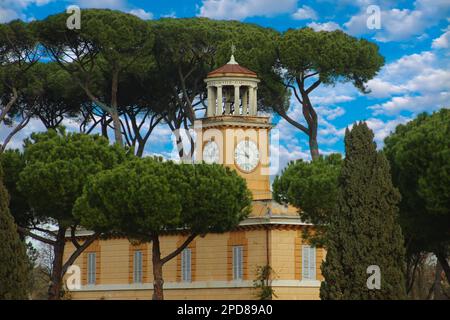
x=186 y=265
x=91 y=268
x=138 y=266
x=309 y=263
x=238 y=262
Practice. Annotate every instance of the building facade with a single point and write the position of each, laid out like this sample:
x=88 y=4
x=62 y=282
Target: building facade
x=217 y=266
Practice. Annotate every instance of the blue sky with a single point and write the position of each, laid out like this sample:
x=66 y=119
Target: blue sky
x=414 y=38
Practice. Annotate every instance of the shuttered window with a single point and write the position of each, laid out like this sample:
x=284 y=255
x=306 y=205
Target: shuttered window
x=91 y=266
x=308 y=262
x=137 y=267
x=238 y=262
x=186 y=263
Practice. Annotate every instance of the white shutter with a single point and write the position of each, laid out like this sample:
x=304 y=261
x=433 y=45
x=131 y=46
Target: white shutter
x=186 y=265
x=308 y=262
x=312 y=263
x=305 y=262
x=91 y=267
x=238 y=262
x=137 y=267
x=189 y=264
x=183 y=265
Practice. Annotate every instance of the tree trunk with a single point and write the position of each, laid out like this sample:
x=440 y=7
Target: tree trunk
x=311 y=118
x=140 y=149
x=442 y=258
x=158 y=281
x=117 y=131
x=54 y=290
x=114 y=112
x=314 y=147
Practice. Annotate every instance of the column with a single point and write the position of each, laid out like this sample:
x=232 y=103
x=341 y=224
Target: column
x=255 y=101
x=236 y=100
x=219 y=101
x=251 y=98
x=227 y=102
x=211 y=102
x=245 y=101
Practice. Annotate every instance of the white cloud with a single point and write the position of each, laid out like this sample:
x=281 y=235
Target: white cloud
x=443 y=42
x=305 y=13
x=331 y=98
x=411 y=103
x=241 y=9
x=14 y=9
x=414 y=83
x=141 y=13
x=325 y=26
x=382 y=129
x=330 y=113
x=400 y=24
x=7 y=15
x=286 y=153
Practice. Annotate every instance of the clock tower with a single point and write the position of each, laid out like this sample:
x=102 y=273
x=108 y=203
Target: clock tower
x=232 y=133
x=217 y=265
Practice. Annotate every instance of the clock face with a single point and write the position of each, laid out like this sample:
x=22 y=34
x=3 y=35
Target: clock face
x=211 y=152
x=246 y=155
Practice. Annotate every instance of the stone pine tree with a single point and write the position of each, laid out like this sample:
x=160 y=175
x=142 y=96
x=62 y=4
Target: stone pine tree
x=364 y=230
x=14 y=264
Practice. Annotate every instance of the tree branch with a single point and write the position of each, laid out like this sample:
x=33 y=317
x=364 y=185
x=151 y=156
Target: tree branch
x=79 y=251
x=178 y=250
x=27 y=232
x=8 y=106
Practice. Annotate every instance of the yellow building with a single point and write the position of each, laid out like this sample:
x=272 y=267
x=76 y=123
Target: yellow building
x=217 y=266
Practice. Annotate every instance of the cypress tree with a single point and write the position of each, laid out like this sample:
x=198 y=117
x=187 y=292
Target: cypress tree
x=14 y=263
x=364 y=230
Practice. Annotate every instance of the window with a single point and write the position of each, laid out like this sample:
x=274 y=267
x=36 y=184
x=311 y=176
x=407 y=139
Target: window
x=308 y=263
x=238 y=262
x=137 y=267
x=186 y=255
x=91 y=266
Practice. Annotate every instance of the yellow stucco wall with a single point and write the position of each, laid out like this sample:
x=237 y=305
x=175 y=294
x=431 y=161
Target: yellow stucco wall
x=211 y=264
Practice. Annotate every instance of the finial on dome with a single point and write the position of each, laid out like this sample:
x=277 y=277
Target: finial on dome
x=232 y=60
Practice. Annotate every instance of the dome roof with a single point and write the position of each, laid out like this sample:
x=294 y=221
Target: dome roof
x=232 y=68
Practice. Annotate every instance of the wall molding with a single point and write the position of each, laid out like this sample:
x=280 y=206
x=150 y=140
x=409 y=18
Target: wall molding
x=198 y=285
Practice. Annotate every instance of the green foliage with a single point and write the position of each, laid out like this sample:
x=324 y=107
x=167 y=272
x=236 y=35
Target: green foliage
x=58 y=165
x=187 y=49
x=364 y=230
x=13 y=162
x=14 y=264
x=17 y=52
x=334 y=55
x=108 y=45
x=312 y=187
x=263 y=283
x=146 y=197
x=419 y=154
x=51 y=94
x=308 y=58
x=115 y=37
